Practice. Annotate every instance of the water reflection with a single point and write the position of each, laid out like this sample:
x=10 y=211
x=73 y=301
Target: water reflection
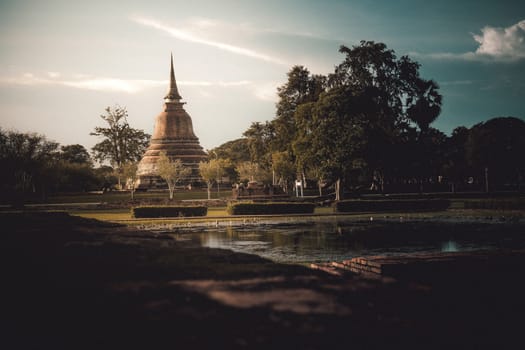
x=329 y=241
x=449 y=246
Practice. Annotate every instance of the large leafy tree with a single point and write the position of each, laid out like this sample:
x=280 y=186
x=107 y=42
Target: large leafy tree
x=259 y=137
x=357 y=122
x=373 y=99
x=301 y=87
x=120 y=142
x=336 y=137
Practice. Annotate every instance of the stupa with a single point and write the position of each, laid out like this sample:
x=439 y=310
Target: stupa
x=173 y=134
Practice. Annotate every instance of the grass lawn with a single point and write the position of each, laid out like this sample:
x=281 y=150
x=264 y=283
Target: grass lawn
x=123 y=196
x=125 y=214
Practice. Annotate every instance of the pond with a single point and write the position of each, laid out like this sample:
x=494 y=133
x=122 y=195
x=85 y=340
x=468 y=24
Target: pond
x=339 y=240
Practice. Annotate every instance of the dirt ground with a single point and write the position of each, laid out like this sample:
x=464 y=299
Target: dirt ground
x=75 y=283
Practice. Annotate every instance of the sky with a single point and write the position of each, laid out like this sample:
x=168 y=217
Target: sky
x=62 y=62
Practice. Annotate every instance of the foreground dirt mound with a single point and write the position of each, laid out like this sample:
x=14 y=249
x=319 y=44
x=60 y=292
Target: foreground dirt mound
x=75 y=283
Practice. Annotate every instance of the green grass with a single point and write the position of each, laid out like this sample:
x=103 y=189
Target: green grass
x=104 y=215
x=123 y=196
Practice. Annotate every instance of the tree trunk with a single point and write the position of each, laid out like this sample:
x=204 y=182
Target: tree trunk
x=338 y=190
x=119 y=186
x=171 y=189
x=209 y=190
x=487 y=180
x=320 y=187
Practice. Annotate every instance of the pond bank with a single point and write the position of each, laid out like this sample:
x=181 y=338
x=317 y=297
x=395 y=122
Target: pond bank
x=70 y=282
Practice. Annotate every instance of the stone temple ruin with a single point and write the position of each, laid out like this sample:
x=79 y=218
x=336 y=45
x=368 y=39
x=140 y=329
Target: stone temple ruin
x=174 y=135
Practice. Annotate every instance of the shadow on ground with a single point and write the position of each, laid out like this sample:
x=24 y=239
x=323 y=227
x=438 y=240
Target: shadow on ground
x=76 y=283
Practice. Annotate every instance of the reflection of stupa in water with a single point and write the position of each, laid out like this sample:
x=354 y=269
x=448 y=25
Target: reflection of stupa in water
x=174 y=135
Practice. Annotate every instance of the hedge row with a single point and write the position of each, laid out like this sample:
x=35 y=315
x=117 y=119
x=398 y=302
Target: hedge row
x=167 y=211
x=270 y=208
x=497 y=204
x=391 y=205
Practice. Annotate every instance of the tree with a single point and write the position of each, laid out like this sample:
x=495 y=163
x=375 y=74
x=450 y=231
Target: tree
x=211 y=171
x=232 y=153
x=77 y=177
x=129 y=172
x=494 y=149
x=172 y=171
x=284 y=169
x=75 y=154
x=455 y=165
x=29 y=162
x=336 y=136
x=301 y=87
x=252 y=172
x=424 y=106
x=121 y=143
x=235 y=151
x=357 y=125
x=259 y=137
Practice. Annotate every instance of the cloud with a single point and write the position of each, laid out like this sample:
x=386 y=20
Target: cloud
x=214 y=83
x=495 y=44
x=104 y=84
x=109 y=84
x=502 y=43
x=187 y=35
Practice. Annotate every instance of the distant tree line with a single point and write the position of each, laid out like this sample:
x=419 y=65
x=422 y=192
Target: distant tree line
x=34 y=167
x=367 y=126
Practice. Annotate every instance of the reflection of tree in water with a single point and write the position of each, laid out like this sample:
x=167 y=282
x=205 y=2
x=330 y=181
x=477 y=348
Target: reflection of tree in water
x=325 y=241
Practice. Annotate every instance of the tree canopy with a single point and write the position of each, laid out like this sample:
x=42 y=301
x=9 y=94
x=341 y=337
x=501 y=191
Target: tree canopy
x=75 y=154
x=172 y=171
x=120 y=142
x=353 y=122
x=212 y=171
x=29 y=161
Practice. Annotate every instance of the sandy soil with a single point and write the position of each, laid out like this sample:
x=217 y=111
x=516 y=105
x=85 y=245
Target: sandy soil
x=76 y=283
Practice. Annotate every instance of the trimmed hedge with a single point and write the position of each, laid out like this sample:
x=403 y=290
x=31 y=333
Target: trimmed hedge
x=497 y=204
x=168 y=211
x=391 y=205
x=270 y=208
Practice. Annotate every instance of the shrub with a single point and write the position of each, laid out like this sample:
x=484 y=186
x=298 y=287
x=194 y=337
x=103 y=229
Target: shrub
x=168 y=211
x=270 y=208
x=496 y=204
x=391 y=205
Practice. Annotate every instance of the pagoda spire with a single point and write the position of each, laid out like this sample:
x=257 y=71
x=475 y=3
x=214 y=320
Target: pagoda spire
x=173 y=93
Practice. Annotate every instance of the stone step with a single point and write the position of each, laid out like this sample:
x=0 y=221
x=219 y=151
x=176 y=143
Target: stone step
x=429 y=264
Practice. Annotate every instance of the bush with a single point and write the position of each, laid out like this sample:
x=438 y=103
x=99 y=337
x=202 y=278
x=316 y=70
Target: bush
x=168 y=211
x=496 y=204
x=391 y=205
x=270 y=208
